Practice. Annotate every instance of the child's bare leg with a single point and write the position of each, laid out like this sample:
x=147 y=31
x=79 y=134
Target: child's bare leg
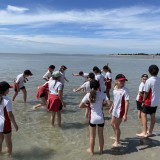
x=139 y=114
x=1 y=141
x=117 y=131
x=24 y=95
x=101 y=139
x=8 y=141
x=152 y=123
x=59 y=118
x=144 y=123
x=113 y=126
x=43 y=103
x=52 y=118
x=15 y=95
x=92 y=136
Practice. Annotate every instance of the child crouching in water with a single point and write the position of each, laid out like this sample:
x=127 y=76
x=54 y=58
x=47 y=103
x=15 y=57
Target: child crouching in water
x=6 y=117
x=120 y=106
x=96 y=99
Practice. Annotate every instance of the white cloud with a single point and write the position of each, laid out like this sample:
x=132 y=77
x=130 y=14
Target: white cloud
x=135 y=28
x=15 y=9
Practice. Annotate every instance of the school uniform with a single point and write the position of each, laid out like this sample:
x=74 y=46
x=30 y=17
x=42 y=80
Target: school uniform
x=96 y=111
x=47 y=75
x=152 y=87
x=120 y=96
x=108 y=76
x=100 y=78
x=139 y=97
x=20 y=79
x=5 y=107
x=54 y=102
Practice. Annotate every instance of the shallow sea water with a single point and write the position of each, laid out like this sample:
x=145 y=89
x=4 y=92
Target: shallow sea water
x=36 y=139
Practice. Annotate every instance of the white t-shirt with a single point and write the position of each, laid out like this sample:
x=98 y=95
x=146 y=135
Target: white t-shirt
x=108 y=75
x=20 y=80
x=141 y=87
x=120 y=96
x=152 y=86
x=96 y=116
x=100 y=79
x=85 y=76
x=62 y=79
x=86 y=85
x=5 y=107
x=47 y=75
x=54 y=86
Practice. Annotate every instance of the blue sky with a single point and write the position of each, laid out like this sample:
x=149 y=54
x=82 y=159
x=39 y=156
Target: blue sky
x=80 y=26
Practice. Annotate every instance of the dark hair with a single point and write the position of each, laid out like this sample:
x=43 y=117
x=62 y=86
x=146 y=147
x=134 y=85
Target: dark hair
x=63 y=67
x=81 y=73
x=96 y=69
x=107 y=68
x=91 y=75
x=153 y=70
x=51 y=67
x=94 y=85
x=28 y=72
x=144 y=75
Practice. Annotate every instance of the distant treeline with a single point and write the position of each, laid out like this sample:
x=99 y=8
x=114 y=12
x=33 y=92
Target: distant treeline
x=141 y=54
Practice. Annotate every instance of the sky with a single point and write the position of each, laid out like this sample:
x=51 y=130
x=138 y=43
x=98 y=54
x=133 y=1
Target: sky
x=80 y=26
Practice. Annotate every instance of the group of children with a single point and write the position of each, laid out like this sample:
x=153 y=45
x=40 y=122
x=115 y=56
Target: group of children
x=97 y=86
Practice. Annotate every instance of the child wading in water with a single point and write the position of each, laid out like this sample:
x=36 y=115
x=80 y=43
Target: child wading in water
x=139 y=98
x=19 y=84
x=55 y=99
x=96 y=99
x=6 y=117
x=120 y=106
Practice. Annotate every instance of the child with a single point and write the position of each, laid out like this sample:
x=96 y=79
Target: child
x=139 y=98
x=48 y=74
x=86 y=87
x=6 y=117
x=150 y=101
x=119 y=108
x=62 y=77
x=100 y=78
x=82 y=74
x=96 y=99
x=108 y=79
x=42 y=93
x=55 y=99
x=19 y=84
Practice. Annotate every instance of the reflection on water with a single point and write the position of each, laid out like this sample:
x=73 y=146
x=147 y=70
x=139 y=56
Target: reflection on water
x=36 y=139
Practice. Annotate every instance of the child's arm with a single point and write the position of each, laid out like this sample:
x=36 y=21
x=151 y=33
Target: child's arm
x=126 y=110
x=66 y=79
x=78 y=89
x=75 y=74
x=60 y=94
x=11 y=117
x=83 y=105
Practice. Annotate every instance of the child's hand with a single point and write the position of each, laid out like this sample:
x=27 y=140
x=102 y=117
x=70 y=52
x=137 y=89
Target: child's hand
x=124 y=118
x=74 y=90
x=64 y=105
x=16 y=127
